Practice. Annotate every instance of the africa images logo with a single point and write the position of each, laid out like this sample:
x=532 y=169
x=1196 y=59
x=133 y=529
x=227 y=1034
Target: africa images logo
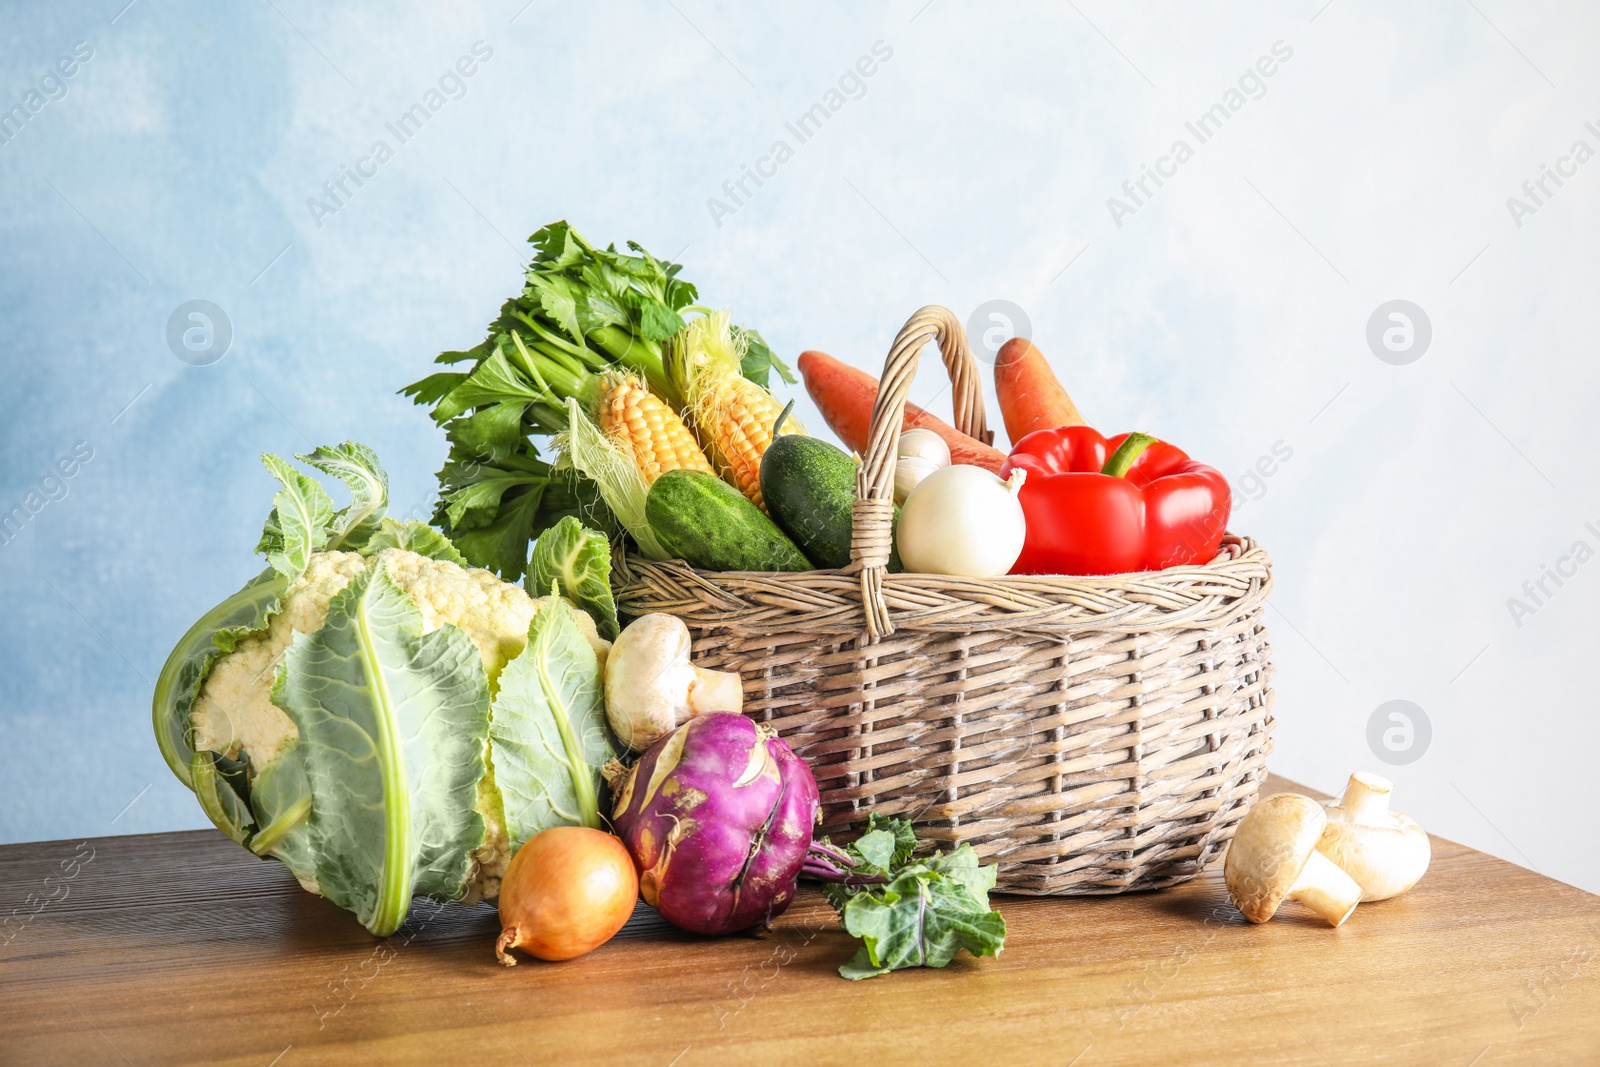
x=1252 y=85
x=1541 y=189
x=452 y=85
x=52 y=87
x=199 y=332
x=851 y=85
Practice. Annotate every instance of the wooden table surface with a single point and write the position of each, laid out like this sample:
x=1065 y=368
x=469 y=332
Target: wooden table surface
x=182 y=948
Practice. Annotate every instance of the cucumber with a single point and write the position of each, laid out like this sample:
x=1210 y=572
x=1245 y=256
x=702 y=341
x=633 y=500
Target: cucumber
x=810 y=489
x=703 y=520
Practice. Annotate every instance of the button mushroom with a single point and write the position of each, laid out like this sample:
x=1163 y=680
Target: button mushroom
x=1274 y=857
x=1383 y=850
x=651 y=687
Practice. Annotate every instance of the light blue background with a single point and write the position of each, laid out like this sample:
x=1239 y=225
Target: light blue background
x=1228 y=313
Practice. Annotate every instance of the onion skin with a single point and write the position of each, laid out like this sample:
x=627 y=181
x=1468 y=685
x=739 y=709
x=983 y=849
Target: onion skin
x=718 y=817
x=567 y=891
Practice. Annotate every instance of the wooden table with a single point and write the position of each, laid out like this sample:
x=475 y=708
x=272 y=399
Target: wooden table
x=182 y=948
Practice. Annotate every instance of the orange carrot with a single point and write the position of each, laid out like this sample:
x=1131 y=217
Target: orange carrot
x=845 y=397
x=1031 y=397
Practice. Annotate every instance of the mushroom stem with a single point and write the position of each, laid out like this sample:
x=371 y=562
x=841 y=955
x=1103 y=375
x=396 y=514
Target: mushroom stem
x=1326 y=889
x=715 y=691
x=1366 y=798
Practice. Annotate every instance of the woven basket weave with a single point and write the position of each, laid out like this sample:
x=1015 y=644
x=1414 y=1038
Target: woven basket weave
x=1091 y=734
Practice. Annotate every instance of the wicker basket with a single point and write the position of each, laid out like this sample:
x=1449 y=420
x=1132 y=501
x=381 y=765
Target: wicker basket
x=1091 y=734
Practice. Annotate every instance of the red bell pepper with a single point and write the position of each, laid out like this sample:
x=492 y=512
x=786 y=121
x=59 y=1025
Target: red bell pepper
x=1098 y=505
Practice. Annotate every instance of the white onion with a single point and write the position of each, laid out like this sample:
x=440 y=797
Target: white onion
x=962 y=520
x=918 y=454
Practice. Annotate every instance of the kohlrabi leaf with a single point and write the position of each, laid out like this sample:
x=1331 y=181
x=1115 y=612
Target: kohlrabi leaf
x=875 y=847
x=357 y=467
x=548 y=737
x=924 y=916
x=300 y=522
x=413 y=536
x=577 y=560
x=962 y=866
x=928 y=910
x=215 y=632
x=880 y=852
x=393 y=727
x=901 y=830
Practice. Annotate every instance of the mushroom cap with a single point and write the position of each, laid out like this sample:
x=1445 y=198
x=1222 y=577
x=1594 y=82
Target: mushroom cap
x=647 y=679
x=1269 y=849
x=1386 y=858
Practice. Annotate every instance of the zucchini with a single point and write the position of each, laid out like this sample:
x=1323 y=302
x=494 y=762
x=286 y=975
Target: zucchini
x=702 y=519
x=810 y=489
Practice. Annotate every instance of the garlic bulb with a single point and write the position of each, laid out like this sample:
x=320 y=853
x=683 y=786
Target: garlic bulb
x=908 y=472
x=918 y=454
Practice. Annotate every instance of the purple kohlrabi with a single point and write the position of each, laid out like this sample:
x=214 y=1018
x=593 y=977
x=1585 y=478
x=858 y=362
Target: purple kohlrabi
x=718 y=815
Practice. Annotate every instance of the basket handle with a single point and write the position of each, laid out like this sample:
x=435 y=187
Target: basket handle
x=872 y=518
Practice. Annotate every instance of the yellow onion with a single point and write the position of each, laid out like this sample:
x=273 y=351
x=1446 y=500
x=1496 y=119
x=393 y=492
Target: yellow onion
x=567 y=891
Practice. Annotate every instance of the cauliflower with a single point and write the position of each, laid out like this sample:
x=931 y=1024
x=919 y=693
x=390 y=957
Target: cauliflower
x=234 y=714
x=383 y=719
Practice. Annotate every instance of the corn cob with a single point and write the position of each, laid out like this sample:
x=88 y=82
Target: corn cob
x=649 y=431
x=737 y=434
x=731 y=415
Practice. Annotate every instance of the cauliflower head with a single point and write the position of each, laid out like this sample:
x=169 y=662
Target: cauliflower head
x=234 y=714
x=380 y=716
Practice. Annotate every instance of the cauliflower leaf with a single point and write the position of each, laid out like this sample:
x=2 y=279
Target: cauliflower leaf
x=393 y=725
x=300 y=520
x=577 y=561
x=301 y=523
x=280 y=800
x=190 y=661
x=209 y=778
x=413 y=536
x=548 y=737
x=357 y=467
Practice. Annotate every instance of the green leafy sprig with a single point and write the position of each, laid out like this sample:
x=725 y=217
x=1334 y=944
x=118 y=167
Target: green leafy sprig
x=908 y=911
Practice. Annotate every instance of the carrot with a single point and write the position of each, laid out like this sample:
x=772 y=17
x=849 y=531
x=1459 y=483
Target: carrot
x=845 y=397
x=1031 y=397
